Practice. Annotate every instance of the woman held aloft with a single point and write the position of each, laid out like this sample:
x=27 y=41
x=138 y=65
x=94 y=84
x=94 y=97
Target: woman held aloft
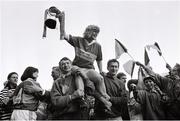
x=27 y=96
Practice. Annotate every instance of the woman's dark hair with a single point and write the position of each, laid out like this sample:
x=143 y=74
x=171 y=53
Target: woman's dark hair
x=28 y=73
x=10 y=74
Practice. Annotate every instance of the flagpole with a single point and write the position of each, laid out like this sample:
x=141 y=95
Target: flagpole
x=130 y=56
x=163 y=58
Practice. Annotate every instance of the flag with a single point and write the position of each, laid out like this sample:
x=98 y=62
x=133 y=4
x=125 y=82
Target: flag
x=141 y=75
x=146 y=58
x=156 y=47
x=129 y=67
x=119 y=49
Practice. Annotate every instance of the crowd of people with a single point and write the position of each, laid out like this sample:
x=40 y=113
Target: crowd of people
x=79 y=92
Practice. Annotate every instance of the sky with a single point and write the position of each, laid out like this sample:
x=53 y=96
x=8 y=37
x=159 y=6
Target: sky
x=134 y=23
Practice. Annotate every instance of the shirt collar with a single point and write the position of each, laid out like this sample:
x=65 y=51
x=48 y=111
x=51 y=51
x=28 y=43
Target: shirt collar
x=65 y=75
x=110 y=76
x=90 y=43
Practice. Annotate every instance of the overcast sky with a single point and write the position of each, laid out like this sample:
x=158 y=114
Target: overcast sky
x=134 y=23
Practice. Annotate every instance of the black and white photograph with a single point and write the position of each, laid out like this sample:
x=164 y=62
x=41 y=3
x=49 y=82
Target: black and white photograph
x=89 y=60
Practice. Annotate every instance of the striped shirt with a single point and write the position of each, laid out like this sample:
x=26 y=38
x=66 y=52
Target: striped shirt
x=5 y=108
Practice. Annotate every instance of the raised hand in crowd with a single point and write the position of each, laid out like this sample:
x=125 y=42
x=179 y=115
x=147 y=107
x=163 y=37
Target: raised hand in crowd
x=146 y=68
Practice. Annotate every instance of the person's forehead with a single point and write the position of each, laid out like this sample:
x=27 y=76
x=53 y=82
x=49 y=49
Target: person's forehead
x=65 y=61
x=113 y=63
x=124 y=77
x=14 y=75
x=147 y=80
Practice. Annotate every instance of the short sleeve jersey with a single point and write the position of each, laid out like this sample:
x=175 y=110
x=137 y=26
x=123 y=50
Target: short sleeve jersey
x=85 y=53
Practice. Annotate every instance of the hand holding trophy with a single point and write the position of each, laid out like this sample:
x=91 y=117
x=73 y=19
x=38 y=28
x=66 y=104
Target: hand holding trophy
x=50 y=20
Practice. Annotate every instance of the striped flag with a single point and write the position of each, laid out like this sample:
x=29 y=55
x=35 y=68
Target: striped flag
x=156 y=47
x=119 y=49
x=141 y=75
x=146 y=58
x=129 y=67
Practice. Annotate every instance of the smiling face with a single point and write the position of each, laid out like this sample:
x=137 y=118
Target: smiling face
x=65 y=66
x=113 y=68
x=13 y=79
x=149 y=83
x=91 y=32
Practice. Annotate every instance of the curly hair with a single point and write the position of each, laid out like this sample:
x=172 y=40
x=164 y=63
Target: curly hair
x=91 y=28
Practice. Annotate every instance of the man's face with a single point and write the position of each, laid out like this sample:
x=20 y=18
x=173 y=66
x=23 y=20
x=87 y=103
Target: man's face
x=149 y=84
x=123 y=78
x=113 y=68
x=13 y=79
x=174 y=72
x=65 y=66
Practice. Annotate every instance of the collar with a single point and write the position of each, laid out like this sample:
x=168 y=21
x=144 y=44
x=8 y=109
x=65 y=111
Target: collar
x=90 y=43
x=65 y=75
x=110 y=76
x=152 y=90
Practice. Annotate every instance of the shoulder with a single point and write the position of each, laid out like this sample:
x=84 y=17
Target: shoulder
x=3 y=91
x=97 y=44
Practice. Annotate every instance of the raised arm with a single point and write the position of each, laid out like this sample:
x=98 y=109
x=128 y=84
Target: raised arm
x=61 y=17
x=146 y=68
